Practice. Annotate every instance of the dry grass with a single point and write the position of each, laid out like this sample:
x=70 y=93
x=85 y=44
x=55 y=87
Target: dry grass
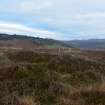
x=26 y=101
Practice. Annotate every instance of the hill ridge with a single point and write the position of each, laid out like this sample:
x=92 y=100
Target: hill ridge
x=7 y=40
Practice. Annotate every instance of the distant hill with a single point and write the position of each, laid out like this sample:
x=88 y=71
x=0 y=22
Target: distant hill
x=88 y=44
x=22 y=41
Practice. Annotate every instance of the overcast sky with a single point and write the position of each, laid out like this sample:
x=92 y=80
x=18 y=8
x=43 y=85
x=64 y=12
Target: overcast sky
x=58 y=19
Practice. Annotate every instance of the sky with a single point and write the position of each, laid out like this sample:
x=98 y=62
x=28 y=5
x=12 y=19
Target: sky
x=57 y=19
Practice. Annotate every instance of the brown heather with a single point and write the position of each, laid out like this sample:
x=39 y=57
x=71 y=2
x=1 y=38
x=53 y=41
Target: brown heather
x=38 y=78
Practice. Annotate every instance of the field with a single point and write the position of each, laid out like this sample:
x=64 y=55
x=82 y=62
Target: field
x=52 y=77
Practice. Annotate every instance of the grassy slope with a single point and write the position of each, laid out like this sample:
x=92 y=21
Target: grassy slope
x=28 y=78
x=42 y=42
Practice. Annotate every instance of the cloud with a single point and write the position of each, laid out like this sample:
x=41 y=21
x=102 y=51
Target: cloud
x=13 y=28
x=74 y=18
x=30 y=6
